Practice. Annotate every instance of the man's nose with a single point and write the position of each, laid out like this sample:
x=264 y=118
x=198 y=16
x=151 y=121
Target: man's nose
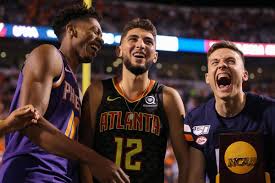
x=222 y=64
x=140 y=43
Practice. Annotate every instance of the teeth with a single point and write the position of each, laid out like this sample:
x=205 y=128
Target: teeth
x=139 y=55
x=94 y=47
x=226 y=75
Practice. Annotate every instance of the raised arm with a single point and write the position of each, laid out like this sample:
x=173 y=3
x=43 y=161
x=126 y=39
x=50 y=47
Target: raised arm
x=175 y=112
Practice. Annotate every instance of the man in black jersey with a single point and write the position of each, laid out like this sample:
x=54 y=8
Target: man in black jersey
x=129 y=118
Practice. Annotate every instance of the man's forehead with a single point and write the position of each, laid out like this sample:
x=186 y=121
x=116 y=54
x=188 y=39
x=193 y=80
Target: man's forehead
x=223 y=53
x=138 y=32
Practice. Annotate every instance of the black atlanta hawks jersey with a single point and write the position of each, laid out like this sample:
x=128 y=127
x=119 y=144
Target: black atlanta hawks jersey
x=133 y=134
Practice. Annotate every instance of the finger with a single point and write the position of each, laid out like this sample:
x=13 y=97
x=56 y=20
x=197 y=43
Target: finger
x=124 y=176
x=118 y=178
x=31 y=107
x=21 y=111
x=34 y=121
x=36 y=116
x=28 y=114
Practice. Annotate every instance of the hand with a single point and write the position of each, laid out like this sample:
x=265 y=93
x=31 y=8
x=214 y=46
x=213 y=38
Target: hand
x=22 y=117
x=106 y=171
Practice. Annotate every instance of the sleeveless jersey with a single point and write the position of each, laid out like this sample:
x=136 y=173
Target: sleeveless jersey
x=203 y=126
x=63 y=112
x=133 y=136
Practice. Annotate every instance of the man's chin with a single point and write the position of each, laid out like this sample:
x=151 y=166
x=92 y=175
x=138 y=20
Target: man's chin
x=87 y=60
x=223 y=95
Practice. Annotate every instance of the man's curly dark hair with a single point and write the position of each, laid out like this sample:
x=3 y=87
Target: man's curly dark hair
x=69 y=13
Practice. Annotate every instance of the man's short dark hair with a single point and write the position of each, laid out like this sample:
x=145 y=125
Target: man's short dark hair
x=225 y=44
x=69 y=13
x=145 y=24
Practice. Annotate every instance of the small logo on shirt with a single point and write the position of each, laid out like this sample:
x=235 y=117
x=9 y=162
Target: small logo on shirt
x=201 y=140
x=68 y=70
x=201 y=129
x=187 y=128
x=150 y=101
x=110 y=99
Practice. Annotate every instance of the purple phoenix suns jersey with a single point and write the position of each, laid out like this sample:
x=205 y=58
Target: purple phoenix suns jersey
x=203 y=126
x=63 y=112
x=133 y=136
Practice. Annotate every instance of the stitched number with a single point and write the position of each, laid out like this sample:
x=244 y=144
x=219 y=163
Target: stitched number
x=72 y=126
x=135 y=145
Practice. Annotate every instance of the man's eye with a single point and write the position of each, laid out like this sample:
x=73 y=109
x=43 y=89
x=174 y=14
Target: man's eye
x=149 y=42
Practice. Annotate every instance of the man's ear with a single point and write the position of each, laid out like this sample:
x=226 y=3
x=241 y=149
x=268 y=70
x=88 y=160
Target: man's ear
x=156 y=57
x=118 y=52
x=245 y=75
x=206 y=78
x=70 y=29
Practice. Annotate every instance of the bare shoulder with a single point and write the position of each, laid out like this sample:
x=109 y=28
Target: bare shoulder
x=94 y=92
x=172 y=100
x=170 y=93
x=44 y=59
x=95 y=87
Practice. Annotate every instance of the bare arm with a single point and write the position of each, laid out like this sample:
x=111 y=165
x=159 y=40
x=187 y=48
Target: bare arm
x=196 y=172
x=107 y=170
x=87 y=125
x=175 y=112
x=42 y=65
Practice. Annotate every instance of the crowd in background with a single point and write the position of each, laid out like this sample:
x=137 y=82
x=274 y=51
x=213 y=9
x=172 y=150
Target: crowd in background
x=235 y=24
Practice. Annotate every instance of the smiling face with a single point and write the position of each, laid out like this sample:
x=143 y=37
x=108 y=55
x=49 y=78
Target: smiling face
x=86 y=39
x=226 y=73
x=138 y=50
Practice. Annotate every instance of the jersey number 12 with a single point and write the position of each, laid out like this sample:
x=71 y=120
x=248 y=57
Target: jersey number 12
x=136 y=144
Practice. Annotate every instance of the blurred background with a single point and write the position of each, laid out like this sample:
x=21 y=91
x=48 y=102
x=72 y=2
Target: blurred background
x=187 y=29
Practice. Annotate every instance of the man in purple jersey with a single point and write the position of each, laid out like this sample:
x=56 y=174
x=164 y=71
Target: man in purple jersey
x=47 y=81
x=230 y=110
x=19 y=119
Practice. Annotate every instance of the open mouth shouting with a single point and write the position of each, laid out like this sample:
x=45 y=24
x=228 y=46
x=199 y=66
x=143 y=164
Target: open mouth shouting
x=224 y=81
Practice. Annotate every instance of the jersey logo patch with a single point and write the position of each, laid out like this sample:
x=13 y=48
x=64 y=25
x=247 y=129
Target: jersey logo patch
x=201 y=140
x=150 y=101
x=187 y=128
x=110 y=99
x=201 y=129
x=67 y=70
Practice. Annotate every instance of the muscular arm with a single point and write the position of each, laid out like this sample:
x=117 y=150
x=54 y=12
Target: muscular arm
x=196 y=170
x=42 y=65
x=106 y=171
x=174 y=109
x=92 y=98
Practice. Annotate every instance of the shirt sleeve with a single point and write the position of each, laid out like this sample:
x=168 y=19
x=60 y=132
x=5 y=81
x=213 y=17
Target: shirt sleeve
x=189 y=135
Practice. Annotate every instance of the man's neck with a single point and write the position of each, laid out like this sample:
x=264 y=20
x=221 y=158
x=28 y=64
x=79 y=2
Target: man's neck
x=134 y=86
x=70 y=57
x=230 y=107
